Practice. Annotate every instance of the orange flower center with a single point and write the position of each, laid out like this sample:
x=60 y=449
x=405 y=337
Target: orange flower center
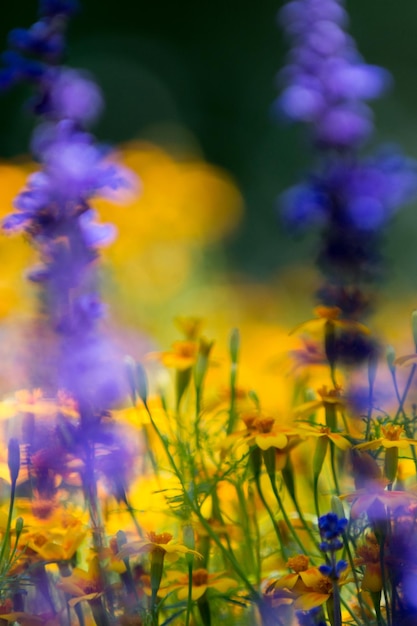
x=323 y=585
x=325 y=430
x=264 y=424
x=298 y=563
x=331 y=394
x=391 y=432
x=200 y=577
x=185 y=349
x=161 y=539
x=328 y=312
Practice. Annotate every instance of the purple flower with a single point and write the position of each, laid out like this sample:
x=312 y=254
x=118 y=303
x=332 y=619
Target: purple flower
x=40 y=39
x=304 y=205
x=52 y=8
x=73 y=95
x=331 y=527
x=55 y=213
x=74 y=170
x=326 y=80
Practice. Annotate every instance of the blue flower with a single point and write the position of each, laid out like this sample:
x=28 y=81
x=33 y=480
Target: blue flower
x=331 y=526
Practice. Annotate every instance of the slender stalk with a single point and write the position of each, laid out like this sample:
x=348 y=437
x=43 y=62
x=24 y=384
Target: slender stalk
x=190 y=594
x=273 y=520
x=405 y=392
x=333 y=466
x=195 y=508
x=285 y=516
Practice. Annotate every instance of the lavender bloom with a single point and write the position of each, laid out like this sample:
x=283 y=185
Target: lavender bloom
x=40 y=39
x=45 y=40
x=360 y=195
x=326 y=81
x=327 y=85
x=54 y=210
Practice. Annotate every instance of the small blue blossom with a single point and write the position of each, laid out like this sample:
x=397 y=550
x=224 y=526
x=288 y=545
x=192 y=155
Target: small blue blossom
x=331 y=526
x=334 y=571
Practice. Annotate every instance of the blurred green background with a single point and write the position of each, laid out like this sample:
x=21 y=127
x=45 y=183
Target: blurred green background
x=200 y=75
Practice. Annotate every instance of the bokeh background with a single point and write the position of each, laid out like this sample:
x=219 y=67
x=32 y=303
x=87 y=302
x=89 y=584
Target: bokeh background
x=197 y=81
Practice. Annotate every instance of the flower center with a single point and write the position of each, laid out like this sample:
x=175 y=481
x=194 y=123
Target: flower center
x=161 y=539
x=200 y=577
x=391 y=432
x=264 y=424
x=298 y=563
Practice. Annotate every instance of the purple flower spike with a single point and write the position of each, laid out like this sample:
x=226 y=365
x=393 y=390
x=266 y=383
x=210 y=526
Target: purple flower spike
x=326 y=80
x=54 y=211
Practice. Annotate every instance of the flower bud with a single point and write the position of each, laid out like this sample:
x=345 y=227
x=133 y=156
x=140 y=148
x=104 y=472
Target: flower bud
x=19 y=526
x=391 y=463
x=234 y=345
x=13 y=459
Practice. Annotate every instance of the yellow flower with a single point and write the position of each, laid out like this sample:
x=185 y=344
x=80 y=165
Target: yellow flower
x=201 y=581
x=182 y=356
x=391 y=439
x=36 y=403
x=307 y=587
x=54 y=539
x=83 y=585
x=369 y=555
x=262 y=431
x=160 y=543
x=326 y=314
x=299 y=563
x=323 y=431
x=331 y=398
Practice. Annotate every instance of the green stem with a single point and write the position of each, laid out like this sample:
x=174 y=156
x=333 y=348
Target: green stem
x=406 y=390
x=376 y=600
x=337 y=613
x=333 y=466
x=316 y=494
x=6 y=539
x=285 y=516
x=273 y=520
x=304 y=522
x=384 y=580
x=232 y=406
x=195 y=508
x=355 y=575
x=190 y=594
